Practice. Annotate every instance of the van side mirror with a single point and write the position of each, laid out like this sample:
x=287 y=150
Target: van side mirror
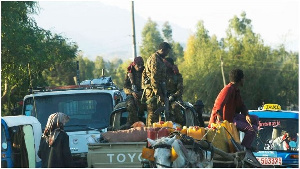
x=292 y=144
x=4 y=146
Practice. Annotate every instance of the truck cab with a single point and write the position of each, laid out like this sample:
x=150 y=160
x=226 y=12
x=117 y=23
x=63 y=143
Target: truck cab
x=88 y=106
x=278 y=136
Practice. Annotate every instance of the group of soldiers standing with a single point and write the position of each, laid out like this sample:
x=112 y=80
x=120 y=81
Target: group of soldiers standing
x=147 y=87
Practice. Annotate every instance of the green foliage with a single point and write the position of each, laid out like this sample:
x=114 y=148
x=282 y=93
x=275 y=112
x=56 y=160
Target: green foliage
x=271 y=76
x=90 y=70
x=167 y=32
x=151 y=39
x=86 y=68
x=177 y=52
x=201 y=67
x=121 y=71
x=31 y=56
x=114 y=66
x=61 y=74
x=26 y=51
x=99 y=66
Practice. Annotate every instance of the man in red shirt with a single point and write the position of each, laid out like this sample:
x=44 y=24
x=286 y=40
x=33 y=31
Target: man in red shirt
x=230 y=106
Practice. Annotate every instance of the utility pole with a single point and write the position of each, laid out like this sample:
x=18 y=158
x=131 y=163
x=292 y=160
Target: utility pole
x=133 y=29
x=222 y=71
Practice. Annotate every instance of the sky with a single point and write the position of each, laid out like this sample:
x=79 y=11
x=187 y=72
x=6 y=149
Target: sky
x=277 y=21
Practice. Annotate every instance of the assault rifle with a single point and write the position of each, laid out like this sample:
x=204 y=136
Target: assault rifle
x=133 y=87
x=166 y=100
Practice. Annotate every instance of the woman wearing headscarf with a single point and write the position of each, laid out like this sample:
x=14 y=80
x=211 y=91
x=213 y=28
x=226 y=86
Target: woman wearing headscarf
x=54 y=148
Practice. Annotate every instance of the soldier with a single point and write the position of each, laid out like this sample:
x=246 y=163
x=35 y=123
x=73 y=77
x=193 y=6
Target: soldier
x=175 y=90
x=154 y=77
x=133 y=89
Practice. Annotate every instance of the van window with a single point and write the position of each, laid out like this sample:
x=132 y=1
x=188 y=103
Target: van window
x=277 y=134
x=86 y=110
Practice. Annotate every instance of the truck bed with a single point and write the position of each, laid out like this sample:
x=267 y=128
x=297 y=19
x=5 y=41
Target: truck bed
x=115 y=155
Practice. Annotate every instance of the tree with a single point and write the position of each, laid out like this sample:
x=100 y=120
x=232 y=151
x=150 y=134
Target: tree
x=86 y=68
x=62 y=74
x=151 y=39
x=201 y=67
x=99 y=66
x=263 y=66
x=26 y=51
x=177 y=50
x=121 y=71
x=167 y=32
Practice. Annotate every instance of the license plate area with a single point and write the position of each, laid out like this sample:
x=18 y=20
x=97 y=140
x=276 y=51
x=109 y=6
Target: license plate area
x=270 y=160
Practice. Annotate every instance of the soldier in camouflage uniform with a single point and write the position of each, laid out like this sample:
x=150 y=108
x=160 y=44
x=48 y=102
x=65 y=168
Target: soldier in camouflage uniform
x=133 y=90
x=175 y=90
x=154 y=76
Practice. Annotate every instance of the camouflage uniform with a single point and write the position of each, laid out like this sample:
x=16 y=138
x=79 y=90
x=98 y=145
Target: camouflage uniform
x=175 y=89
x=134 y=106
x=154 y=74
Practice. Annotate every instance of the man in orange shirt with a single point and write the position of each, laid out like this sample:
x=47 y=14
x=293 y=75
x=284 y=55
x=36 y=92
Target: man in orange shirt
x=230 y=106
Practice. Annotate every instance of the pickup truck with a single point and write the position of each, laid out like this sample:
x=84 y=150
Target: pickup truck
x=89 y=108
x=126 y=154
x=129 y=154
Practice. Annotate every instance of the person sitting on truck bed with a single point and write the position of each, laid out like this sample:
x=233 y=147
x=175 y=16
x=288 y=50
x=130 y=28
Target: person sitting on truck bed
x=132 y=88
x=54 y=149
x=230 y=106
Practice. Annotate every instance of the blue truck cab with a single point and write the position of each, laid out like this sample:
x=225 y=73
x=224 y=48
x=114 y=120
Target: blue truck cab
x=278 y=136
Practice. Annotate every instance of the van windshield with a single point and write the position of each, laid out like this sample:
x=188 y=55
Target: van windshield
x=87 y=111
x=277 y=135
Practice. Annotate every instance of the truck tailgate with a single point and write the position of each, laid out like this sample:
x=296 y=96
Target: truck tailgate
x=115 y=155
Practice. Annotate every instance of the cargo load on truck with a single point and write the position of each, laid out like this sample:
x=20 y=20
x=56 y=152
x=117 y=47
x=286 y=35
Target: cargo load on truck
x=220 y=143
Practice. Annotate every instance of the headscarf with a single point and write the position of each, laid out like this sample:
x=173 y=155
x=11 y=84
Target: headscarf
x=137 y=61
x=55 y=124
